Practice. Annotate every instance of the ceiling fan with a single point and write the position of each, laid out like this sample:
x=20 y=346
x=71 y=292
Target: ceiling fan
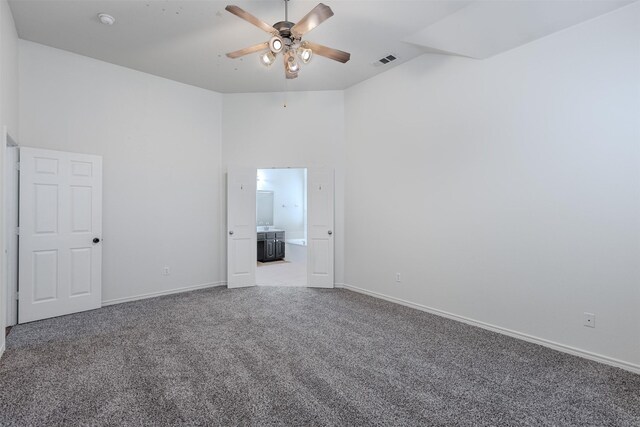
x=286 y=38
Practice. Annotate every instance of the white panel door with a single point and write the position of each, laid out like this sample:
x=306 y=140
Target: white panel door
x=60 y=249
x=320 y=228
x=241 y=228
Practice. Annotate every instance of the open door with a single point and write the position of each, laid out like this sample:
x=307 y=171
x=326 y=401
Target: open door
x=241 y=228
x=320 y=228
x=60 y=253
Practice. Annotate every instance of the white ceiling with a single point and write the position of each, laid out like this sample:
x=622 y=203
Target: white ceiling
x=185 y=40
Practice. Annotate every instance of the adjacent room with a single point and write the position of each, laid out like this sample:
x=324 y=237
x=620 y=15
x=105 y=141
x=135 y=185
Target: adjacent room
x=281 y=219
x=285 y=212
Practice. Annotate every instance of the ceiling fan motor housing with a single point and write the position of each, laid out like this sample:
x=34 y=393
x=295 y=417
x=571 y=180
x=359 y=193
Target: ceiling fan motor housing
x=284 y=28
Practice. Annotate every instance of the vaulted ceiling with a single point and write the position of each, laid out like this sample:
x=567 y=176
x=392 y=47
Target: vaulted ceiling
x=186 y=40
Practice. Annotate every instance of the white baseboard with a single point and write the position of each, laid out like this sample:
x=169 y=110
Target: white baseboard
x=338 y=285
x=161 y=293
x=514 y=334
x=3 y=346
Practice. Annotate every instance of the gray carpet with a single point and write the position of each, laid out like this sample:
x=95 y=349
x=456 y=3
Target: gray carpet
x=292 y=356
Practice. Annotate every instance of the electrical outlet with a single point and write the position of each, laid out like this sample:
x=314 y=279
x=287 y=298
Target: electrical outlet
x=166 y=271
x=589 y=320
x=398 y=279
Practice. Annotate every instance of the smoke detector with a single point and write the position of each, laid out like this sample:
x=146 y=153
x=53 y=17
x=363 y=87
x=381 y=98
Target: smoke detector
x=106 y=19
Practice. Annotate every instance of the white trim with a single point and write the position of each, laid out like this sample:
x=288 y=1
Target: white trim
x=8 y=141
x=161 y=293
x=514 y=334
x=10 y=221
x=3 y=347
x=339 y=285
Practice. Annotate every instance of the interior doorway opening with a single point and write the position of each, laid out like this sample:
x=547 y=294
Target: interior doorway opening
x=281 y=227
x=243 y=228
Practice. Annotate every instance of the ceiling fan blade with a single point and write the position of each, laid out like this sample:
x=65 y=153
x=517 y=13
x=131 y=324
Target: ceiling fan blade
x=327 y=52
x=248 y=50
x=241 y=13
x=317 y=16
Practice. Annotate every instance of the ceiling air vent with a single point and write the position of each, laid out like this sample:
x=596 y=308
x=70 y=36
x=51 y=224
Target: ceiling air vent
x=385 y=60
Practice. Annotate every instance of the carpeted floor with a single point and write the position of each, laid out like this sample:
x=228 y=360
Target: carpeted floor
x=295 y=356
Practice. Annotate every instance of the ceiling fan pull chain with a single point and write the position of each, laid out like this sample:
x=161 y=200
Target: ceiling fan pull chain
x=285 y=93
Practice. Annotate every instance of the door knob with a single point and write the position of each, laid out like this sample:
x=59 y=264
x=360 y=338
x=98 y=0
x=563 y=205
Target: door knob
x=96 y=240
x=231 y=233
x=330 y=232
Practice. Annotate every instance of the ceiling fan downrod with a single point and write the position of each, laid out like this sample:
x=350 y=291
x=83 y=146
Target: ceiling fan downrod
x=286 y=10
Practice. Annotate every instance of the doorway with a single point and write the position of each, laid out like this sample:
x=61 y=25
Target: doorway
x=281 y=220
x=53 y=224
x=243 y=229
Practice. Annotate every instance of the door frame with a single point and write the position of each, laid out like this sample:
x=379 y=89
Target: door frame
x=10 y=217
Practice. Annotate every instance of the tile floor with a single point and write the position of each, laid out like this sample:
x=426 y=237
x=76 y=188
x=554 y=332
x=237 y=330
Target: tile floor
x=279 y=273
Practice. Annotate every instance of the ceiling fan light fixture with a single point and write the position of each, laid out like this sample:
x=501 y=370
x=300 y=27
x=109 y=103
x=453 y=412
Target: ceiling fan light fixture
x=267 y=58
x=290 y=75
x=305 y=54
x=292 y=65
x=276 y=44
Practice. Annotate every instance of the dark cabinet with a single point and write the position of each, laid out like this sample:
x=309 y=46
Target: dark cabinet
x=279 y=249
x=270 y=251
x=271 y=246
x=262 y=246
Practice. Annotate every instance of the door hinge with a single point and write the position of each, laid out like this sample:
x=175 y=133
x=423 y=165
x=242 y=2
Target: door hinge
x=18 y=231
x=17 y=296
x=18 y=166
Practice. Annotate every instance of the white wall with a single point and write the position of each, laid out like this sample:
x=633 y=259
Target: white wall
x=9 y=70
x=258 y=131
x=160 y=142
x=9 y=118
x=506 y=190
